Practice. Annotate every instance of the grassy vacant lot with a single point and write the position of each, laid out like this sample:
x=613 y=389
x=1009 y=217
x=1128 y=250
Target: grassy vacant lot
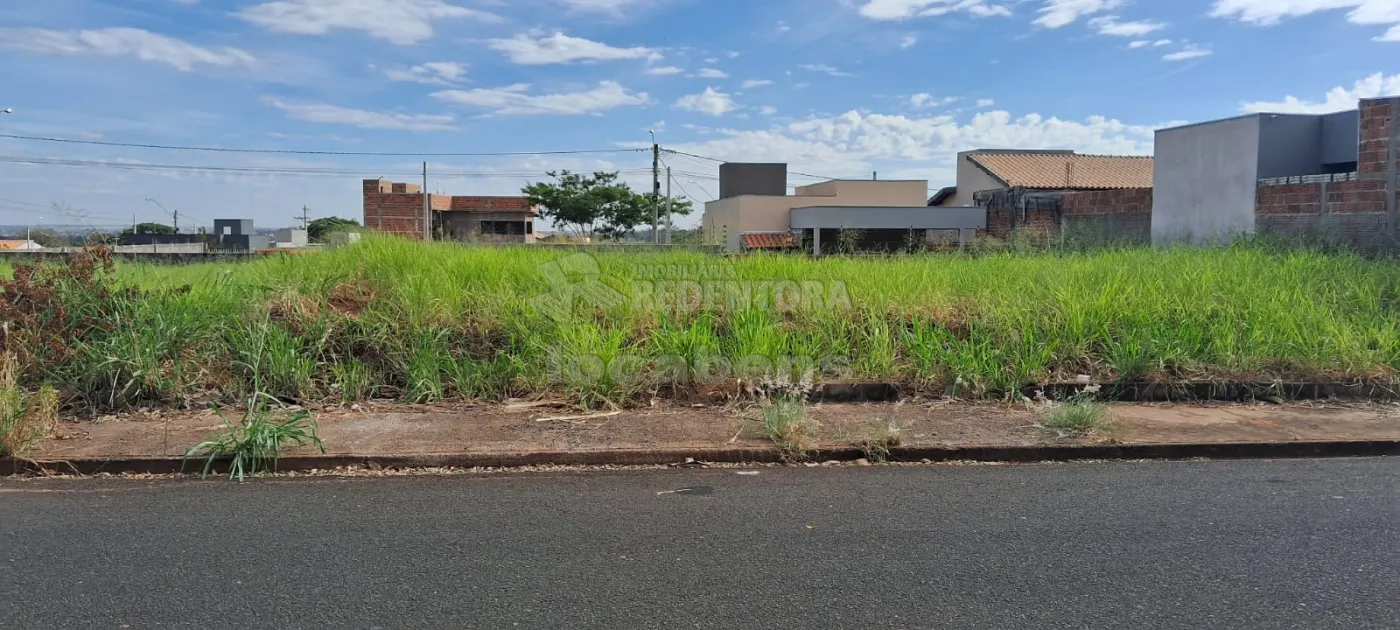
x=395 y=319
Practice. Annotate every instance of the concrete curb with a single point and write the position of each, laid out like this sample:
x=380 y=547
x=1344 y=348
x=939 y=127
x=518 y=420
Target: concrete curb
x=741 y=455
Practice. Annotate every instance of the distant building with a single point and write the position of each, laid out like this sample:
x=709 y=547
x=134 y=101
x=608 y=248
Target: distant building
x=1328 y=177
x=755 y=212
x=161 y=244
x=397 y=208
x=237 y=235
x=1048 y=191
x=290 y=239
x=21 y=245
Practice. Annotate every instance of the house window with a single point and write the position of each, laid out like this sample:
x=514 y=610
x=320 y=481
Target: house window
x=529 y=227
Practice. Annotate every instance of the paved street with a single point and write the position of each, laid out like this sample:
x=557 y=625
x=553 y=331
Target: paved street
x=1288 y=544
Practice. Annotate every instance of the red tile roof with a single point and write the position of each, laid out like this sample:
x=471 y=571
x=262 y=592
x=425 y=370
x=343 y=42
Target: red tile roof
x=769 y=240
x=1066 y=170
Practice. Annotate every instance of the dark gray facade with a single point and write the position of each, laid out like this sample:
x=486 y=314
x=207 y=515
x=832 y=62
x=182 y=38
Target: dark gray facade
x=229 y=227
x=741 y=178
x=159 y=239
x=1291 y=145
x=1341 y=135
x=244 y=242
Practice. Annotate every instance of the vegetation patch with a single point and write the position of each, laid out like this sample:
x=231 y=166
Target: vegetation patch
x=1079 y=417
x=391 y=318
x=255 y=443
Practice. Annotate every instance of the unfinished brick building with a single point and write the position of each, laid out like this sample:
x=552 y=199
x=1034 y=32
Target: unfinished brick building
x=397 y=208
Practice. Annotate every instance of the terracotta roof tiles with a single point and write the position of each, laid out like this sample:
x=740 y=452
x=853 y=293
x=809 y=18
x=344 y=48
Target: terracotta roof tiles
x=769 y=240
x=1066 y=170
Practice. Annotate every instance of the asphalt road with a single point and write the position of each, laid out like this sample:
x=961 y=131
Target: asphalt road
x=1288 y=544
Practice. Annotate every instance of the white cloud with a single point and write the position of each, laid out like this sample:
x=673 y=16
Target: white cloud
x=601 y=6
x=1109 y=25
x=431 y=73
x=753 y=83
x=906 y=9
x=986 y=102
x=1144 y=43
x=362 y=118
x=1191 y=51
x=662 y=71
x=782 y=27
x=121 y=42
x=397 y=21
x=535 y=48
x=711 y=73
x=925 y=100
x=855 y=142
x=711 y=101
x=1337 y=99
x=1058 y=13
x=516 y=100
x=908 y=41
x=824 y=69
x=1270 y=12
x=767 y=110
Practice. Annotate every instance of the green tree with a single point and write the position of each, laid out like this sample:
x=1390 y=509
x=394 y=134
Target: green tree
x=318 y=229
x=585 y=205
x=148 y=228
x=47 y=238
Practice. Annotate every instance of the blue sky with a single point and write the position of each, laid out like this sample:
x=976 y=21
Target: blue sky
x=836 y=88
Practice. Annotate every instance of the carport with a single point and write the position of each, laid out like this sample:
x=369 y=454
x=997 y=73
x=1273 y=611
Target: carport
x=965 y=219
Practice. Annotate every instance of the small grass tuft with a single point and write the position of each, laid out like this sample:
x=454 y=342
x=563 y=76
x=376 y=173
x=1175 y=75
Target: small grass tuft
x=785 y=422
x=1078 y=417
x=255 y=443
x=880 y=439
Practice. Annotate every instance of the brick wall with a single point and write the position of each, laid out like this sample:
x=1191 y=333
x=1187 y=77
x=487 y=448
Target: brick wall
x=1104 y=217
x=1373 y=157
x=393 y=212
x=490 y=203
x=397 y=208
x=1350 y=213
x=1125 y=201
x=1351 y=210
x=1040 y=222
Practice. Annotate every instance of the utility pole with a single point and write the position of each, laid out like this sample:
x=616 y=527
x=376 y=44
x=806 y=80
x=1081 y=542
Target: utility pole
x=305 y=217
x=427 y=208
x=668 y=206
x=174 y=214
x=655 y=191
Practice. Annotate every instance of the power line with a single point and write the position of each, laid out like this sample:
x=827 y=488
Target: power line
x=304 y=171
x=135 y=145
x=702 y=157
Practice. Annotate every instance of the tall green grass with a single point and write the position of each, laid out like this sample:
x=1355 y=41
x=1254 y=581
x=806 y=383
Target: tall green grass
x=424 y=322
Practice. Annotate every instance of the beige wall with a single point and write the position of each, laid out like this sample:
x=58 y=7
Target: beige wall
x=869 y=193
x=726 y=219
x=971 y=178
